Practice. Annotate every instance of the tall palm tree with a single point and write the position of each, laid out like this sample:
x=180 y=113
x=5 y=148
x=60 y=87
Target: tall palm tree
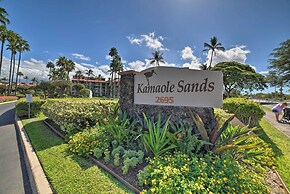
x=26 y=78
x=21 y=47
x=3 y=17
x=50 y=66
x=3 y=37
x=12 y=46
x=66 y=65
x=213 y=46
x=90 y=73
x=157 y=58
x=20 y=74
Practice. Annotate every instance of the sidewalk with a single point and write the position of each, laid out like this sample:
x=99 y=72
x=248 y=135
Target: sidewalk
x=14 y=177
x=270 y=117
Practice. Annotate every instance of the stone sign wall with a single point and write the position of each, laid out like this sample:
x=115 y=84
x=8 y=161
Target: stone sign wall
x=177 y=113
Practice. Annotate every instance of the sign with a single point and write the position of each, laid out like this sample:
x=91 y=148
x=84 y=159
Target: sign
x=171 y=86
x=28 y=97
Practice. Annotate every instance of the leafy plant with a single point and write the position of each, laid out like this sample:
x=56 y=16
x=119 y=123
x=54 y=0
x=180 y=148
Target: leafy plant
x=180 y=173
x=107 y=155
x=231 y=139
x=158 y=139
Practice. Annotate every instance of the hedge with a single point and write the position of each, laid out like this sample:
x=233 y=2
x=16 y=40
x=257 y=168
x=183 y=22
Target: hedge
x=73 y=115
x=247 y=111
x=35 y=107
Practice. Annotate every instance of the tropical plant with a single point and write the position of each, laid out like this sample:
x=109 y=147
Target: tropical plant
x=213 y=46
x=229 y=141
x=51 y=67
x=66 y=65
x=13 y=39
x=26 y=78
x=3 y=38
x=21 y=47
x=3 y=16
x=158 y=139
x=157 y=58
x=115 y=66
x=34 y=80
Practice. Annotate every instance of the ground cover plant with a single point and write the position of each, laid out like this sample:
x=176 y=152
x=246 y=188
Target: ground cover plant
x=66 y=172
x=123 y=144
x=7 y=98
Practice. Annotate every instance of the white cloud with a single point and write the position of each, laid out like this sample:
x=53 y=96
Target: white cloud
x=149 y=40
x=137 y=65
x=108 y=57
x=31 y=68
x=104 y=68
x=81 y=56
x=187 y=54
x=264 y=72
x=87 y=65
x=238 y=54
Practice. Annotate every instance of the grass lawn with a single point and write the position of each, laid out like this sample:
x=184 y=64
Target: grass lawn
x=66 y=172
x=280 y=144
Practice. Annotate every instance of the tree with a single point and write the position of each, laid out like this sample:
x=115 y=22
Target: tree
x=115 y=66
x=66 y=66
x=51 y=67
x=13 y=39
x=44 y=87
x=213 y=46
x=21 y=47
x=157 y=58
x=3 y=37
x=90 y=73
x=3 y=17
x=280 y=63
x=34 y=80
x=239 y=77
x=26 y=78
x=78 y=74
x=274 y=81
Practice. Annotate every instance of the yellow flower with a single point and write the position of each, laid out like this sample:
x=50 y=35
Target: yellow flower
x=153 y=190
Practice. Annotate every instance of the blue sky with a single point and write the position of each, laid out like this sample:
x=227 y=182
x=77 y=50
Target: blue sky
x=84 y=31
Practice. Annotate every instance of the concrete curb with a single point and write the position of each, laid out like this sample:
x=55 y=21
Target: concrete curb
x=35 y=172
x=8 y=102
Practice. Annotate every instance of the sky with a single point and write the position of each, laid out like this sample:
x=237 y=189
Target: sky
x=84 y=31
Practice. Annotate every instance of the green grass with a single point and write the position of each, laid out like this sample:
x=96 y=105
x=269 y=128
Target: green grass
x=280 y=144
x=66 y=172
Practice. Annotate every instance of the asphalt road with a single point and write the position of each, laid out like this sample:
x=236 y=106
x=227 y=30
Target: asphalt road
x=13 y=173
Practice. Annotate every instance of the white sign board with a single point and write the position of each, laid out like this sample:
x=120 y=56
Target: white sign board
x=171 y=86
x=28 y=97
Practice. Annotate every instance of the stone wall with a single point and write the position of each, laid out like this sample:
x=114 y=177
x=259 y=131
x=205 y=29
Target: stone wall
x=177 y=113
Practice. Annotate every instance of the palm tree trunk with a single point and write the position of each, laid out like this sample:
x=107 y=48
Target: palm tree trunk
x=13 y=71
x=9 y=80
x=210 y=60
x=1 y=56
x=19 y=59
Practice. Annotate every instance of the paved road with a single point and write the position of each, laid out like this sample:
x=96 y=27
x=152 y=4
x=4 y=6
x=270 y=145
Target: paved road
x=13 y=174
x=270 y=117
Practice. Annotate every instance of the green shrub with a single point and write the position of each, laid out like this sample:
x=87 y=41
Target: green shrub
x=85 y=93
x=245 y=110
x=35 y=107
x=180 y=173
x=85 y=143
x=76 y=115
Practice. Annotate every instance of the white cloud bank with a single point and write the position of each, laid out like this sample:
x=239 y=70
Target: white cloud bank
x=187 y=54
x=81 y=57
x=150 y=41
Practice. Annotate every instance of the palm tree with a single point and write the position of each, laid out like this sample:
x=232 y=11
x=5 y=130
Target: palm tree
x=78 y=74
x=66 y=65
x=34 y=80
x=3 y=37
x=203 y=67
x=157 y=58
x=26 y=78
x=213 y=47
x=3 y=17
x=21 y=47
x=20 y=74
x=50 y=66
x=89 y=73
x=12 y=46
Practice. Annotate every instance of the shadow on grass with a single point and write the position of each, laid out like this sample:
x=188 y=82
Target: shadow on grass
x=277 y=151
x=41 y=136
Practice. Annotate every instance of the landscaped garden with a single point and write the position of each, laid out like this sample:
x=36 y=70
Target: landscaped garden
x=154 y=156
x=7 y=98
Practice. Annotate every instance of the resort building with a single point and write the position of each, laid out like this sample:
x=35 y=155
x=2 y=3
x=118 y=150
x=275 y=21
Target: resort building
x=99 y=88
